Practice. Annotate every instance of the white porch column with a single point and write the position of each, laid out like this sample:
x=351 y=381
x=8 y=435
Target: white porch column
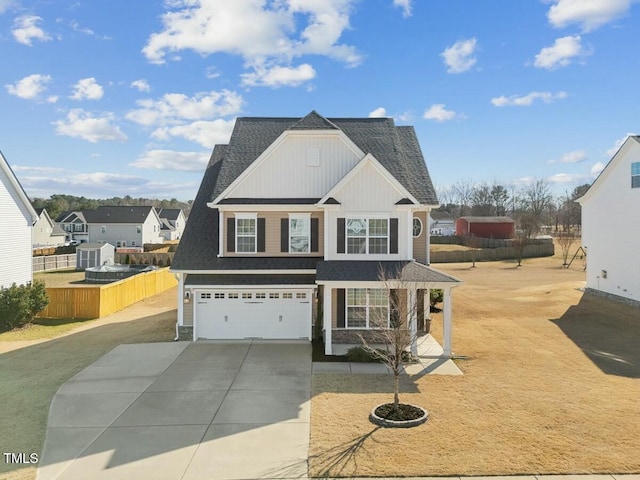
x=180 y=298
x=412 y=314
x=326 y=319
x=446 y=324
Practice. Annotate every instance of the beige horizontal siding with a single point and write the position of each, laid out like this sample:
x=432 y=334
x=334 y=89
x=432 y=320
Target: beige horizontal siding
x=420 y=243
x=272 y=234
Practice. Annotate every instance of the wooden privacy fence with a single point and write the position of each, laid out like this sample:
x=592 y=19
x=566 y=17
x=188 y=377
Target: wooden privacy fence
x=491 y=254
x=54 y=262
x=102 y=300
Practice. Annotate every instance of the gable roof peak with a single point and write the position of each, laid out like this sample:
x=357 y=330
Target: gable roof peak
x=313 y=121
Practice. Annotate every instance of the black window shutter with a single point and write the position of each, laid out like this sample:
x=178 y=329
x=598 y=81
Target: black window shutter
x=284 y=234
x=393 y=240
x=231 y=234
x=340 y=307
x=341 y=233
x=314 y=234
x=261 y=235
x=394 y=313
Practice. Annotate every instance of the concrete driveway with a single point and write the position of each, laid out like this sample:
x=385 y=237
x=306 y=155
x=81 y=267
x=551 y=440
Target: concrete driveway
x=218 y=410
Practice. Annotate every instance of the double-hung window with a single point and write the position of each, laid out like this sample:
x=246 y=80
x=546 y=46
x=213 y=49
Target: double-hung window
x=367 y=235
x=367 y=308
x=246 y=233
x=635 y=175
x=299 y=233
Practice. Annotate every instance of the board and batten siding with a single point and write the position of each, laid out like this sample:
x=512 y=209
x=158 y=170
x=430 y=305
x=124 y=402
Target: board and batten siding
x=272 y=234
x=611 y=229
x=303 y=166
x=16 y=264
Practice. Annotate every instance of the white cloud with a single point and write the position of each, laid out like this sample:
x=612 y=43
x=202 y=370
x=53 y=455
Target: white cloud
x=571 y=178
x=617 y=144
x=460 y=56
x=439 y=113
x=30 y=87
x=275 y=77
x=575 y=156
x=172 y=160
x=262 y=33
x=87 y=89
x=589 y=14
x=82 y=124
x=205 y=133
x=378 y=112
x=25 y=29
x=527 y=100
x=597 y=168
x=6 y=5
x=43 y=170
x=405 y=5
x=175 y=108
x=561 y=53
x=141 y=84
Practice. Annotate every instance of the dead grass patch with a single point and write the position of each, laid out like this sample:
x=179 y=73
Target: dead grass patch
x=551 y=385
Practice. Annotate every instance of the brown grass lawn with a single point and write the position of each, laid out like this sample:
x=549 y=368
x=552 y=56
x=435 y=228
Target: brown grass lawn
x=62 y=278
x=31 y=372
x=551 y=385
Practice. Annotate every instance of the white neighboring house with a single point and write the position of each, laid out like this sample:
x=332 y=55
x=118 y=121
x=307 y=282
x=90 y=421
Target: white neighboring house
x=47 y=233
x=442 y=223
x=17 y=217
x=611 y=226
x=124 y=226
x=173 y=222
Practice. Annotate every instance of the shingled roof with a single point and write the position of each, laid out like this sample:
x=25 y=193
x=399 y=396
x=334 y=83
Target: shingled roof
x=117 y=214
x=396 y=148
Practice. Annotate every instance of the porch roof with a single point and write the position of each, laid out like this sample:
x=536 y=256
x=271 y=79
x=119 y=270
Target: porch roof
x=368 y=271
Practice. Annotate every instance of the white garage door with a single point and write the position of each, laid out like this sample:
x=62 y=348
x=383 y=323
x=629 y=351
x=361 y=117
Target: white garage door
x=233 y=314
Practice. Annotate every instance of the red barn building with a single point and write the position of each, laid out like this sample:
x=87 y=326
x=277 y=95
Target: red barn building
x=486 y=227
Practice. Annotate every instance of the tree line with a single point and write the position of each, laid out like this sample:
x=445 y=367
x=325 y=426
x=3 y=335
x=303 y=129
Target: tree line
x=58 y=203
x=533 y=206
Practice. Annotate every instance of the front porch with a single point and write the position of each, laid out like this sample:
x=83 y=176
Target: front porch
x=365 y=299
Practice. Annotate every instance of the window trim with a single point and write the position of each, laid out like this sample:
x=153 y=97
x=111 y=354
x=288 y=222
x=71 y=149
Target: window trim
x=421 y=227
x=246 y=216
x=367 y=235
x=367 y=306
x=635 y=174
x=300 y=216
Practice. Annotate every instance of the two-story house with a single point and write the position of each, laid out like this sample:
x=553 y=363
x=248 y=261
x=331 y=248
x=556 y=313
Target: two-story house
x=124 y=226
x=17 y=217
x=46 y=232
x=173 y=223
x=74 y=225
x=295 y=219
x=610 y=226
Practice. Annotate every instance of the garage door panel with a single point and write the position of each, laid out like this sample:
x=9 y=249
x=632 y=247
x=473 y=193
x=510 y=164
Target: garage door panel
x=227 y=315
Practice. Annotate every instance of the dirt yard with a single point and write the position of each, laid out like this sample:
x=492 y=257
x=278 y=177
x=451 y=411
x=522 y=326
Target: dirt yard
x=551 y=384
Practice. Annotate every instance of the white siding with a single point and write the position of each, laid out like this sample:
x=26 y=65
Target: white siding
x=15 y=236
x=369 y=193
x=285 y=172
x=611 y=229
x=127 y=232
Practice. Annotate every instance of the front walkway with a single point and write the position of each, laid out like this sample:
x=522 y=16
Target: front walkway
x=430 y=352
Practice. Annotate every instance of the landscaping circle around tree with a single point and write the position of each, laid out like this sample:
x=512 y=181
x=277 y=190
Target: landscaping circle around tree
x=407 y=416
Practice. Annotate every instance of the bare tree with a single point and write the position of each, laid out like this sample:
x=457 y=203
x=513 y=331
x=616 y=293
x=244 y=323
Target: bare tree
x=463 y=191
x=500 y=198
x=536 y=200
x=565 y=240
x=481 y=200
x=391 y=339
x=527 y=228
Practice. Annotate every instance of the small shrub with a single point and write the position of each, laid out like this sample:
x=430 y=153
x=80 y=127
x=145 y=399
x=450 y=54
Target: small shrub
x=19 y=304
x=361 y=355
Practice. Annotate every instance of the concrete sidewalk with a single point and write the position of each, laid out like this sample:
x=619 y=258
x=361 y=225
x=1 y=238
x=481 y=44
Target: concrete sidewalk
x=184 y=411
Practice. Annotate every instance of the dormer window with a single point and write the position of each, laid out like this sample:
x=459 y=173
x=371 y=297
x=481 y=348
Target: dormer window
x=246 y=234
x=367 y=235
x=635 y=175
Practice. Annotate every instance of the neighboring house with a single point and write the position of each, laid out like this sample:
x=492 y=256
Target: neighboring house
x=119 y=226
x=611 y=226
x=486 y=227
x=90 y=255
x=17 y=217
x=47 y=233
x=442 y=223
x=124 y=226
x=295 y=218
x=173 y=223
x=74 y=225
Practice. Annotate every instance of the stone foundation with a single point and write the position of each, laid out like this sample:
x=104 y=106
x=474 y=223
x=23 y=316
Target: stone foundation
x=611 y=296
x=185 y=333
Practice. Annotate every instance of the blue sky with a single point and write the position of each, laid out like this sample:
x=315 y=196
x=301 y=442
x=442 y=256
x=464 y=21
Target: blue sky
x=114 y=98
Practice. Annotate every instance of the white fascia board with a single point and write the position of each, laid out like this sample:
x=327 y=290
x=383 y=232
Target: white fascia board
x=388 y=284
x=267 y=153
x=369 y=159
x=622 y=151
x=245 y=272
x=252 y=287
x=13 y=180
x=283 y=207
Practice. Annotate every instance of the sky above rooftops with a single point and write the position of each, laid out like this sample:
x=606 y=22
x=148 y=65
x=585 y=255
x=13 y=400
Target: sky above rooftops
x=119 y=98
